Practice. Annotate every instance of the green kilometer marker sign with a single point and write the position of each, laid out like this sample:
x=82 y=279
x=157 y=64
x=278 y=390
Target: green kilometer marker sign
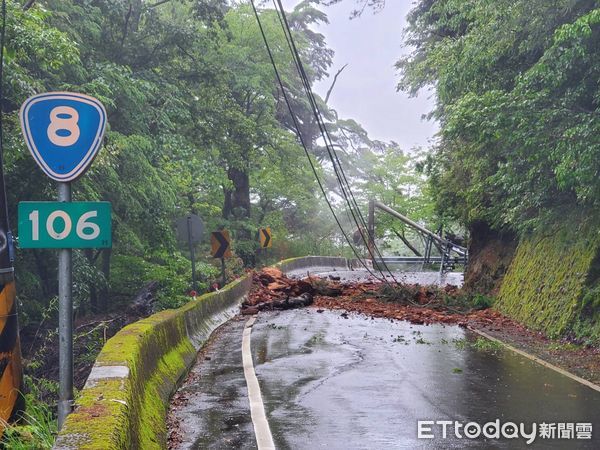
x=65 y=225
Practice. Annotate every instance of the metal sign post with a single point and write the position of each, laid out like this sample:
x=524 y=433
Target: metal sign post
x=65 y=321
x=220 y=247
x=265 y=241
x=190 y=230
x=65 y=225
x=223 y=275
x=265 y=237
x=192 y=255
x=63 y=131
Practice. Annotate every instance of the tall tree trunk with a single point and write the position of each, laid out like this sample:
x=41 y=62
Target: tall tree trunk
x=237 y=207
x=227 y=206
x=240 y=195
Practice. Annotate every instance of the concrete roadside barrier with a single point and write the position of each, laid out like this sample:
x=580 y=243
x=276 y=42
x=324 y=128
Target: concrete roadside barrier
x=125 y=400
x=308 y=262
x=323 y=262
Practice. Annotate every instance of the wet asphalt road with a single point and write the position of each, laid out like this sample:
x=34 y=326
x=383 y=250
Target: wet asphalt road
x=356 y=383
x=216 y=413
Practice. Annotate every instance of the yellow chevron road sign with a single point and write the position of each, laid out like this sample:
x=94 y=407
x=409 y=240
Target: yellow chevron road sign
x=220 y=244
x=265 y=237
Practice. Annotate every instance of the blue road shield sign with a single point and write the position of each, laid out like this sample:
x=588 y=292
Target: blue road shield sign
x=63 y=131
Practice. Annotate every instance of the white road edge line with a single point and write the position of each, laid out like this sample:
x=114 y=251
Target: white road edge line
x=538 y=360
x=264 y=438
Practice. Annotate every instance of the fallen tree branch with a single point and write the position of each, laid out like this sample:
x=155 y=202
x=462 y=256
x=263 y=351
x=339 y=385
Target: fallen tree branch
x=333 y=83
x=407 y=243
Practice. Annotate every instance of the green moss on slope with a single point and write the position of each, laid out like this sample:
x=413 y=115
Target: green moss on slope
x=549 y=277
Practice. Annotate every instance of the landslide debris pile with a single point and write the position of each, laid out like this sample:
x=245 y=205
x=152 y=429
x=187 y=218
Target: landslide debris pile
x=271 y=290
x=422 y=305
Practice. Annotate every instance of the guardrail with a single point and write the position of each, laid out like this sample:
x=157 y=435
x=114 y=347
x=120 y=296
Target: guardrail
x=125 y=400
x=407 y=259
x=416 y=259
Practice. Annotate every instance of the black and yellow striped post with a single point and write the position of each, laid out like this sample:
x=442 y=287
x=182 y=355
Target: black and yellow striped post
x=10 y=347
x=10 y=356
x=11 y=374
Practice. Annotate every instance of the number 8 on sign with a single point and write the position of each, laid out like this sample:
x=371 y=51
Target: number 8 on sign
x=63 y=132
x=58 y=122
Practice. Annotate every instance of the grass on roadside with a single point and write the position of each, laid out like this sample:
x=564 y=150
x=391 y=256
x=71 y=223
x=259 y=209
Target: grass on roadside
x=37 y=426
x=480 y=343
x=431 y=296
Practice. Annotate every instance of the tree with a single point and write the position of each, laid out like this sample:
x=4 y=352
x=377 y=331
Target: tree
x=361 y=6
x=516 y=88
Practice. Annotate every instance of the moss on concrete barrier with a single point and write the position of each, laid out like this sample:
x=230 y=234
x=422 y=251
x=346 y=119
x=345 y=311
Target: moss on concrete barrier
x=126 y=397
x=551 y=281
x=124 y=402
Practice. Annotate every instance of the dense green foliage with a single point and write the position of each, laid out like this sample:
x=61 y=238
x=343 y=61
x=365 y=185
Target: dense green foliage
x=38 y=427
x=197 y=123
x=518 y=96
x=516 y=83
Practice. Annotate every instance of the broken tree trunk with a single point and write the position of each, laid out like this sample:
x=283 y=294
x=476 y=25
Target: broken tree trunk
x=408 y=244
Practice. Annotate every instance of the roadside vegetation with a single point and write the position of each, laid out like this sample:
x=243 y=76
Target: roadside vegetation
x=518 y=154
x=197 y=125
x=480 y=343
x=449 y=297
x=37 y=427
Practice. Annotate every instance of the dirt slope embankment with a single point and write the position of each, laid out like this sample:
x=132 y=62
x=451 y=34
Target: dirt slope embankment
x=490 y=255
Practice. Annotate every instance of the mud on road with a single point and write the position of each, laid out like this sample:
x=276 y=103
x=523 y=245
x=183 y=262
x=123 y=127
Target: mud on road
x=414 y=303
x=361 y=364
x=418 y=304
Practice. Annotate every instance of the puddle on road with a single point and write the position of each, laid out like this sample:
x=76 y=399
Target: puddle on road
x=330 y=382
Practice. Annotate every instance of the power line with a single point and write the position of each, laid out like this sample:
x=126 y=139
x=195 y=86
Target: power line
x=338 y=169
x=337 y=166
x=6 y=266
x=301 y=138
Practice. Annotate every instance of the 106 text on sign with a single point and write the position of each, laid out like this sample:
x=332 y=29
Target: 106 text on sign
x=65 y=225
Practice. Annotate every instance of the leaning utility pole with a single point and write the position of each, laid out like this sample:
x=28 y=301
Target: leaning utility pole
x=371 y=229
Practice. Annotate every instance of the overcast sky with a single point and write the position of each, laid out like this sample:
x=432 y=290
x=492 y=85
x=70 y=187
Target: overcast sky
x=366 y=89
